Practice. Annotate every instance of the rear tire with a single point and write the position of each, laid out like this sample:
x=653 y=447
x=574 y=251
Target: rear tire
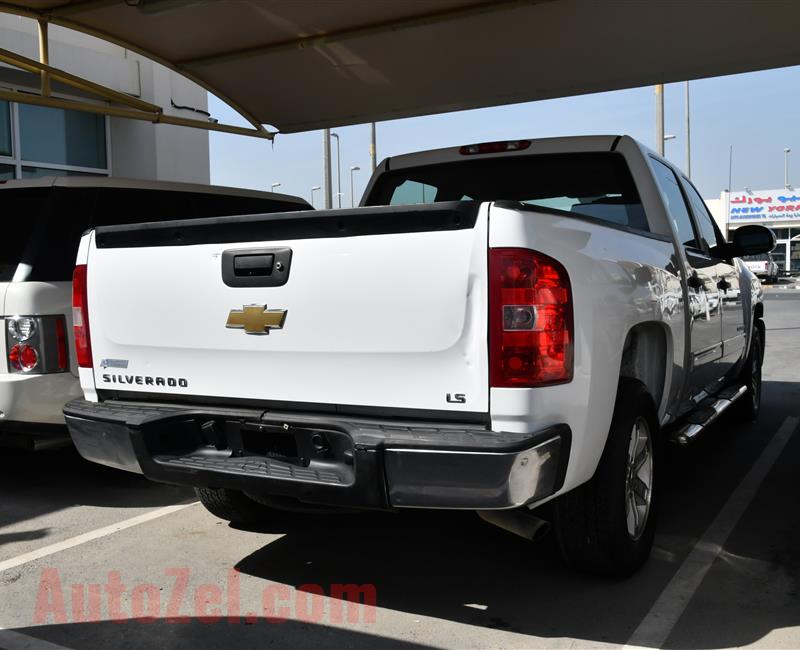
x=607 y=525
x=232 y=506
x=750 y=403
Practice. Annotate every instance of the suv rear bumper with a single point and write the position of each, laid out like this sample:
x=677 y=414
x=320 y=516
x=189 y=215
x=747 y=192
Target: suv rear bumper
x=36 y=398
x=333 y=460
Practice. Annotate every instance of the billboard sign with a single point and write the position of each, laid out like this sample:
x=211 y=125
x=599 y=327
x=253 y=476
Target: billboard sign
x=764 y=205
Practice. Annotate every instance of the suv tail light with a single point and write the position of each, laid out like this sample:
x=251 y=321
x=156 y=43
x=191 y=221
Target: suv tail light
x=530 y=319
x=80 y=317
x=36 y=344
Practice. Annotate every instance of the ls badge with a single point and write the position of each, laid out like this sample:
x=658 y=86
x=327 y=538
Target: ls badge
x=256 y=319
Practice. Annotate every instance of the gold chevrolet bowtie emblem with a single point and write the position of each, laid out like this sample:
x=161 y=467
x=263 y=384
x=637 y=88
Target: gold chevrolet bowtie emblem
x=256 y=319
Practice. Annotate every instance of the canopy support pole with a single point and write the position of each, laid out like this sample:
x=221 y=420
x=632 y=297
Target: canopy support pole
x=44 y=57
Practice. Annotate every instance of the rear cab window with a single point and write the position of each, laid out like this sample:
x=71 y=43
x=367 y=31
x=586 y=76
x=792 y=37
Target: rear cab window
x=595 y=185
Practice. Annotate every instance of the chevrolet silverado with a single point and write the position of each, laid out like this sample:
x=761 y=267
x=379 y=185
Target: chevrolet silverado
x=497 y=326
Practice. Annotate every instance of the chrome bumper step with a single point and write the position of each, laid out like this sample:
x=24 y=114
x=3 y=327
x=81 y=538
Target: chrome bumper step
x=706 y=414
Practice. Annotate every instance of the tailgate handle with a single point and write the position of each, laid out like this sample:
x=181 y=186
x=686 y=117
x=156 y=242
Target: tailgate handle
x=250 y=265
x=256 y=267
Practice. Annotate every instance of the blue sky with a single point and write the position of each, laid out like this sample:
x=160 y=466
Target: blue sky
x=758 y=113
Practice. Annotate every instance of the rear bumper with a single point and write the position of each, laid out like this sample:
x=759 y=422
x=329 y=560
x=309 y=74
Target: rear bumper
x=333 y=460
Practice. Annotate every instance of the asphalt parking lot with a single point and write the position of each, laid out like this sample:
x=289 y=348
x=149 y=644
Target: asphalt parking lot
x=92 y=557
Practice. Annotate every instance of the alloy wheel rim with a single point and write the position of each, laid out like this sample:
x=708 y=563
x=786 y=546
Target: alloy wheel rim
x=638 y=478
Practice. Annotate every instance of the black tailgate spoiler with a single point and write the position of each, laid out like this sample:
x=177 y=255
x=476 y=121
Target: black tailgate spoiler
x=451 y=215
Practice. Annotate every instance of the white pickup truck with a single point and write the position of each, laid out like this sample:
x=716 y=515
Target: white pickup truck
x=496 y=326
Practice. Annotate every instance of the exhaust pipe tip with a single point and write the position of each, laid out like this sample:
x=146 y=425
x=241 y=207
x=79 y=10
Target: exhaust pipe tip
x=519 y=522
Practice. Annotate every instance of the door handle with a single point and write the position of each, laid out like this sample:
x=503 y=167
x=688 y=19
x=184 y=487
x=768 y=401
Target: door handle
x=256 y=267
x=252 y=265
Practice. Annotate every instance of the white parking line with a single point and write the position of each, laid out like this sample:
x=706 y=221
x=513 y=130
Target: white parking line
x=39 y=553
x=655 y=628
x=11 y=640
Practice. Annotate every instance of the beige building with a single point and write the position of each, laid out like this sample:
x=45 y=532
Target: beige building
x=37 y=141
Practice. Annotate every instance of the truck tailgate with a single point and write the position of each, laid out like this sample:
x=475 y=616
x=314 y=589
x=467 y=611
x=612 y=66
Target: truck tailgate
x=384 y=307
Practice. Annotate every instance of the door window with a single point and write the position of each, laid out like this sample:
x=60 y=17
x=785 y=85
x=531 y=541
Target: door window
x=676 y=205
x=702 y=216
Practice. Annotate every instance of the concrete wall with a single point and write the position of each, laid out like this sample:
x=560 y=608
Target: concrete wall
x=137 y=149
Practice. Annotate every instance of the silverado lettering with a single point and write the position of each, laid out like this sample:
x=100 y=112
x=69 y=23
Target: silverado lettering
x=145 y=380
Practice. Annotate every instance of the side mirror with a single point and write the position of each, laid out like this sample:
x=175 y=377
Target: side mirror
x=752 y=240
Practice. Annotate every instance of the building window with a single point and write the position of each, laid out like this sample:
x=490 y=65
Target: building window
x=794 y=256
x=37 y=141
x=53 y=135
x=5 y=129
x=39 y=172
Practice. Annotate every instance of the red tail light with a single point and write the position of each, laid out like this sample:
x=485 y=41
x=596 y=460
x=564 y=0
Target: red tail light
x=61 y=344
x=23 y=357
x=530 y=319
x=494 y=147
x=30 y=341
x=80 y=317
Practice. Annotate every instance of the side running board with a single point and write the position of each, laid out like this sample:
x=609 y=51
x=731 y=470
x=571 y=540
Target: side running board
x=707 y=413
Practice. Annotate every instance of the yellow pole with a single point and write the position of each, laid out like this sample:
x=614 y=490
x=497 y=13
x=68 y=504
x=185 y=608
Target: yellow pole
x=44 y=57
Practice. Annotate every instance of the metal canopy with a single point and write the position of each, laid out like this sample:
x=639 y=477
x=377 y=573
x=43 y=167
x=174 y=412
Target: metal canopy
x=301 y=65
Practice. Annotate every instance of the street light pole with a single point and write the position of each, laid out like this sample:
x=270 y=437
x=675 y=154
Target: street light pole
x=660 y=119
x=786 y=167
x=354 y=168
x=688 y=137
x=338 y=166
x=273 y=186
x=326 y=168
x=313 y=189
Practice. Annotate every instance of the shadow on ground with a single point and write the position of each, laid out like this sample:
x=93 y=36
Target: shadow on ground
x=36 y=483
x=455 y=567
x=191 y=633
